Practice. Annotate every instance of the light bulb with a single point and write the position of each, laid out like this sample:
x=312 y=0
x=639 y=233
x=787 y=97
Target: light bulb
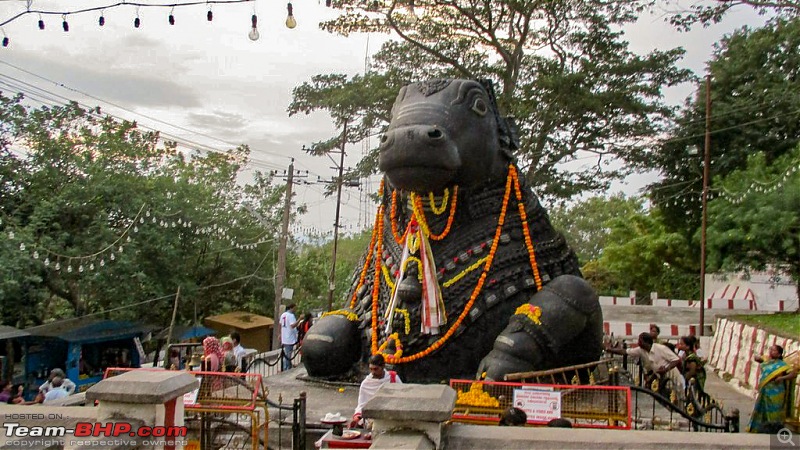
x=412 y=14
x=253 y=34
x=171 y=22
x=136 y=22
x=209 y=16
x=46 y=262
x=101 y=21
x=5 y=41
x=22 y=247
x=65 y=25
x=58 y=266
x=41 y=24
x=290 y=22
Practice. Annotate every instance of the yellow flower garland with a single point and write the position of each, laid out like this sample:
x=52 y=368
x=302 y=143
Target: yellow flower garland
x=439 y=210
x=532 y=312
x=398 y=346
x=349 y=315
x=406 y=318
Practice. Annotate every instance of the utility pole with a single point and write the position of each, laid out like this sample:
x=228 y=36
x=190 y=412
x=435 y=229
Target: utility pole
x=280 y=275
x=332 y=278
x=706 y=164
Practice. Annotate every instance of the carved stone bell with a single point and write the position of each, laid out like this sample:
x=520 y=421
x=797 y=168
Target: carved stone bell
x=410 y=290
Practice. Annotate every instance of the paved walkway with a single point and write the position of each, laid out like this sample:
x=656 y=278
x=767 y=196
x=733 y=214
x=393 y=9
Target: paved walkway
x=730 y=397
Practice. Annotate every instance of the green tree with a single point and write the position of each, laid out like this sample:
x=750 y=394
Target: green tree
x=755 y=223
x=755 y=92
x=561 y=69
x=310 y=264
x=585 y=224
x=707 y=13
x=98 y=215
x=642 y=255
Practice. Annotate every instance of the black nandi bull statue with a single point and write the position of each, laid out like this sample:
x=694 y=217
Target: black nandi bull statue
x=464 y=274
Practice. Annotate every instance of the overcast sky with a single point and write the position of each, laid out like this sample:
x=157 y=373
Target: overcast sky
x=206 y=82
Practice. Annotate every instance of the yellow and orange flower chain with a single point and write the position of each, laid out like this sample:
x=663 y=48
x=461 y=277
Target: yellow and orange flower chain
x=376 y=245
x=419 y=213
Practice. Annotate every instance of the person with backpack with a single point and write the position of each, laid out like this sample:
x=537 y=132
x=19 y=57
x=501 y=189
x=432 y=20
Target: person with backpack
x=378 y=376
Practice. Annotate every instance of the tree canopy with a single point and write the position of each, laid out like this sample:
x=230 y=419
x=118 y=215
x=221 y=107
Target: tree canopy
x=98 y=215
x=755 y=94
x=562 y=68
x=755 y=223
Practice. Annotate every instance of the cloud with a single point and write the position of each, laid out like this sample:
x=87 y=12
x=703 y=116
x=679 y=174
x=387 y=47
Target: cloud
x=116 y=77
x=218 y=123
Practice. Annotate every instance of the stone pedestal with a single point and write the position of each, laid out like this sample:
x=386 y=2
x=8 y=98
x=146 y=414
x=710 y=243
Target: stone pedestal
x=143 y=398
x=405 y=410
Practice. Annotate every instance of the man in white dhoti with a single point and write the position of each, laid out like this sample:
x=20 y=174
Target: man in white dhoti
x=378 y=375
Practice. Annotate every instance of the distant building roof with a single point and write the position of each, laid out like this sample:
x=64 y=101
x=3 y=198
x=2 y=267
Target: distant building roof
x=84 y=330
x=7 y=332
x=241 y=319
x=734 y=292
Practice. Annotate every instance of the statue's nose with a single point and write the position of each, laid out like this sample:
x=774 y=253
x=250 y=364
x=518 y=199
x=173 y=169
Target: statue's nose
x=414 y=134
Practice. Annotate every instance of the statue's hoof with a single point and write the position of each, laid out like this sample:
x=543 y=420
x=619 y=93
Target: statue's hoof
x=501 y=361
x=331 y=346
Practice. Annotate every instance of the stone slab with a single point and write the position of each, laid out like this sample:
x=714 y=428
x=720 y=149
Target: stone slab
x=143 y=386
x=469 y=437
x=402 y=440
x=412 y=402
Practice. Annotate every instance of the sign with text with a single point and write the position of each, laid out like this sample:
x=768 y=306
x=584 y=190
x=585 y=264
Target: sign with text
x=539 y=405
x=190 y=398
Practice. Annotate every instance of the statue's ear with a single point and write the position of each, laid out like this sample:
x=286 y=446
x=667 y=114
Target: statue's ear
x=509 y=135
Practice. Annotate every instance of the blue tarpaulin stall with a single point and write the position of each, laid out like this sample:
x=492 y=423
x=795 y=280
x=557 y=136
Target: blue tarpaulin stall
x=82 y=348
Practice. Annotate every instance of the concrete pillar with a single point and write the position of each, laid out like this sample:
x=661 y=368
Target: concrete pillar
x=410 y=415
x=144 y=398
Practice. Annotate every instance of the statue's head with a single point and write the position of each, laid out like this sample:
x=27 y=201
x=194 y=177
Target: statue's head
x=445 y=132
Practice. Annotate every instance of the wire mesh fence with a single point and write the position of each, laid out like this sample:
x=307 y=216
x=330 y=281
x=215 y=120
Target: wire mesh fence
x=227 y=410
x=585 y=406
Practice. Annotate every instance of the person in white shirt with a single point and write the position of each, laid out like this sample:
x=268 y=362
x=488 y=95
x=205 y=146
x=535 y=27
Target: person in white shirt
x=238 y=350
x=656 y=358
x=56 y=391
x=378 y=376
x=67 y=384
x=288 y=336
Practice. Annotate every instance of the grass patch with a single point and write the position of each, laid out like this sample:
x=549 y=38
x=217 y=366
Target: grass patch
x=785 y=324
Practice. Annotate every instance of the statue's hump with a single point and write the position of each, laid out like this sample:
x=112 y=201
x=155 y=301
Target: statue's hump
x=430 y=87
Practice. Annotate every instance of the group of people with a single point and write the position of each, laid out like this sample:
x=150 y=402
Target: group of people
x=680 y=364
x=226 y=354
x=684 y=364
x=56 y=387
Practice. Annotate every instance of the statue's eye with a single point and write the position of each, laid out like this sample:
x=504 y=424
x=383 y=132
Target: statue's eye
x=479 y=106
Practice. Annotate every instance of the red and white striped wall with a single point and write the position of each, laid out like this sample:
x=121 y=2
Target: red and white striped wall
x=634 y=328
x=627 y=301
x=714 y=303
x=735 y=344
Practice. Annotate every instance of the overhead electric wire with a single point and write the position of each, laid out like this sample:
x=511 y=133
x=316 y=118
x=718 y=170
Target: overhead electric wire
x=54 y=99
x=114 y=5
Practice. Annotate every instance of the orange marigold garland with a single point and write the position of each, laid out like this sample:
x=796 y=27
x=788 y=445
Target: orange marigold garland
x=376 y=282
x=441 y=341
x=512 y=172
x=419 y=212
x=393 y=219
x=368 y=259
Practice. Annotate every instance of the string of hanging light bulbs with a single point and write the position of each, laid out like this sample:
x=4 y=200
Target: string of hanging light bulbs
x=253 y=33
